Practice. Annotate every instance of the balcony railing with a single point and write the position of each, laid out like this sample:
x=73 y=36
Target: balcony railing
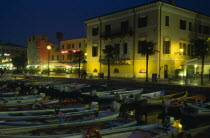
x=121 y=59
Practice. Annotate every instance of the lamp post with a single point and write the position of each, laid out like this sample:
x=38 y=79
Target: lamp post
x=48 y=71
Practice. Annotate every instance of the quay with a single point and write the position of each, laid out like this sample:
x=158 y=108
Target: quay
x=193 y=86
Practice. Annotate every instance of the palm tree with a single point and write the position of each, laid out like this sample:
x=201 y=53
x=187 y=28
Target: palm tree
x=147 y=49
x=71 y=54
x=108 y=51
x=79 y=57
x=201 y=51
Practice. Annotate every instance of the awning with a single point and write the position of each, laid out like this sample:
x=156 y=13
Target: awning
x=198 y=62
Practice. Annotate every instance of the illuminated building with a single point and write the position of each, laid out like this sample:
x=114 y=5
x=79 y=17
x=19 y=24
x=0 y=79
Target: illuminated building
x=71 y=45
x=9 y=51
x=170 y=27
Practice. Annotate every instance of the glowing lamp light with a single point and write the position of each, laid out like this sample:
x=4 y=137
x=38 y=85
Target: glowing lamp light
x=48 y=47
x=181 y=50
x=195 y=65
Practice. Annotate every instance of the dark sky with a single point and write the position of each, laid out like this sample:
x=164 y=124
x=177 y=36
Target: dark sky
x=20 y=19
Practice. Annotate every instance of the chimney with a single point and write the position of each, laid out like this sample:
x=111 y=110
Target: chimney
x=172 y=2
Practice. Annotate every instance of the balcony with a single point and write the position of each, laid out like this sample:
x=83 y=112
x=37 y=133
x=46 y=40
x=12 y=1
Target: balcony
x=121 y=59
x=119 y=33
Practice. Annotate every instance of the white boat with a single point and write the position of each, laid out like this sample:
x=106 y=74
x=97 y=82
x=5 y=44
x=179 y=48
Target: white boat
x=106 y=115
x=9 y=92
x=39 y=114
x=22 y=100
x=196 y=110
x=120 y=95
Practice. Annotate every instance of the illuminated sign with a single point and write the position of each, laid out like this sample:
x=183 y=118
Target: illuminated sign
x=75 y=51
x=64 y=52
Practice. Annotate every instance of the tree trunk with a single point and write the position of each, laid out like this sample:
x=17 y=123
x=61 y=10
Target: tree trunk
x=202 y=68
x=147 y=59
x=79 y=65
x=108 y=76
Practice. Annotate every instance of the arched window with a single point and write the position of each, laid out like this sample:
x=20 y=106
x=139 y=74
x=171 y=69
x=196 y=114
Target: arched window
x=95 y=70
x=116 y=70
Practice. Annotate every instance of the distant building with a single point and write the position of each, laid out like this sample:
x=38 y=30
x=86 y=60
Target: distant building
x=74 y=45
x=9 y=51
x=37 y=52
x=71 y=45
x=170 y=27
x=39 y=57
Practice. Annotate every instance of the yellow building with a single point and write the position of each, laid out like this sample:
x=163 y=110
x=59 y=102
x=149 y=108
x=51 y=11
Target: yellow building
x=170 y=27
x=74 y=45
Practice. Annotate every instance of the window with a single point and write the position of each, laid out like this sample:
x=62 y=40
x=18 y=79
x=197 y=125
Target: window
x=139 y=47
x=200 y=29
x=117 y=49
x=95 y=70
x=166 y=47
x=142 y=22
x=205 y=29
x=190 y=26
x=52 y=57
x=57 y=57
x=72 y=46
x=182 y=24
x=80 y=45
x=94 y=51
x=94 y=31
x=108 y=29
x=124 y=27
x=125 y=48
x=68 y=46
x=189 y=50
x=184 y=49
x=62 y=46
x=116 y=70
x=167 y=21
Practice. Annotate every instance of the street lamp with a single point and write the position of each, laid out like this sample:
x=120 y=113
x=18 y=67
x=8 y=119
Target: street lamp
x=48 y=48
x=180 y=53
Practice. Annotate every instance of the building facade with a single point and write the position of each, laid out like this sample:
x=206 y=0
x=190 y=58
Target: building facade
x=170 y=27
x=9 y=51
x=74 y=45
x=37 y=52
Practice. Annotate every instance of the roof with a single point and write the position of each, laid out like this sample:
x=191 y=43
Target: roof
x=144 y=5
x=73 y=39
x=12 y=45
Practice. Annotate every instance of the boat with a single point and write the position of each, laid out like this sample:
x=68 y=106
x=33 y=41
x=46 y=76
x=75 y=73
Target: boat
x=22 y=100
x=119 y=95
x=143 y=131
x=196 y=110
x=200 y=132
x=122 y=130
x=12 y=92
x=102 y=116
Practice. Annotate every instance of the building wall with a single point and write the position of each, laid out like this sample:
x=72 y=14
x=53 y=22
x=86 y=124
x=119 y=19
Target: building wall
x=71 y=45
x=156 y=31
x=37 y=49
x=9 y=51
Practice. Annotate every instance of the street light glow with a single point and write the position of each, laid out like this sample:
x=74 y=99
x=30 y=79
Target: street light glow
x=48 y=47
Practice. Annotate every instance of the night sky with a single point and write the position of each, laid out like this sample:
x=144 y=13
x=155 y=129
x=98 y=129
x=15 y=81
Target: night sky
x=20 y=19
